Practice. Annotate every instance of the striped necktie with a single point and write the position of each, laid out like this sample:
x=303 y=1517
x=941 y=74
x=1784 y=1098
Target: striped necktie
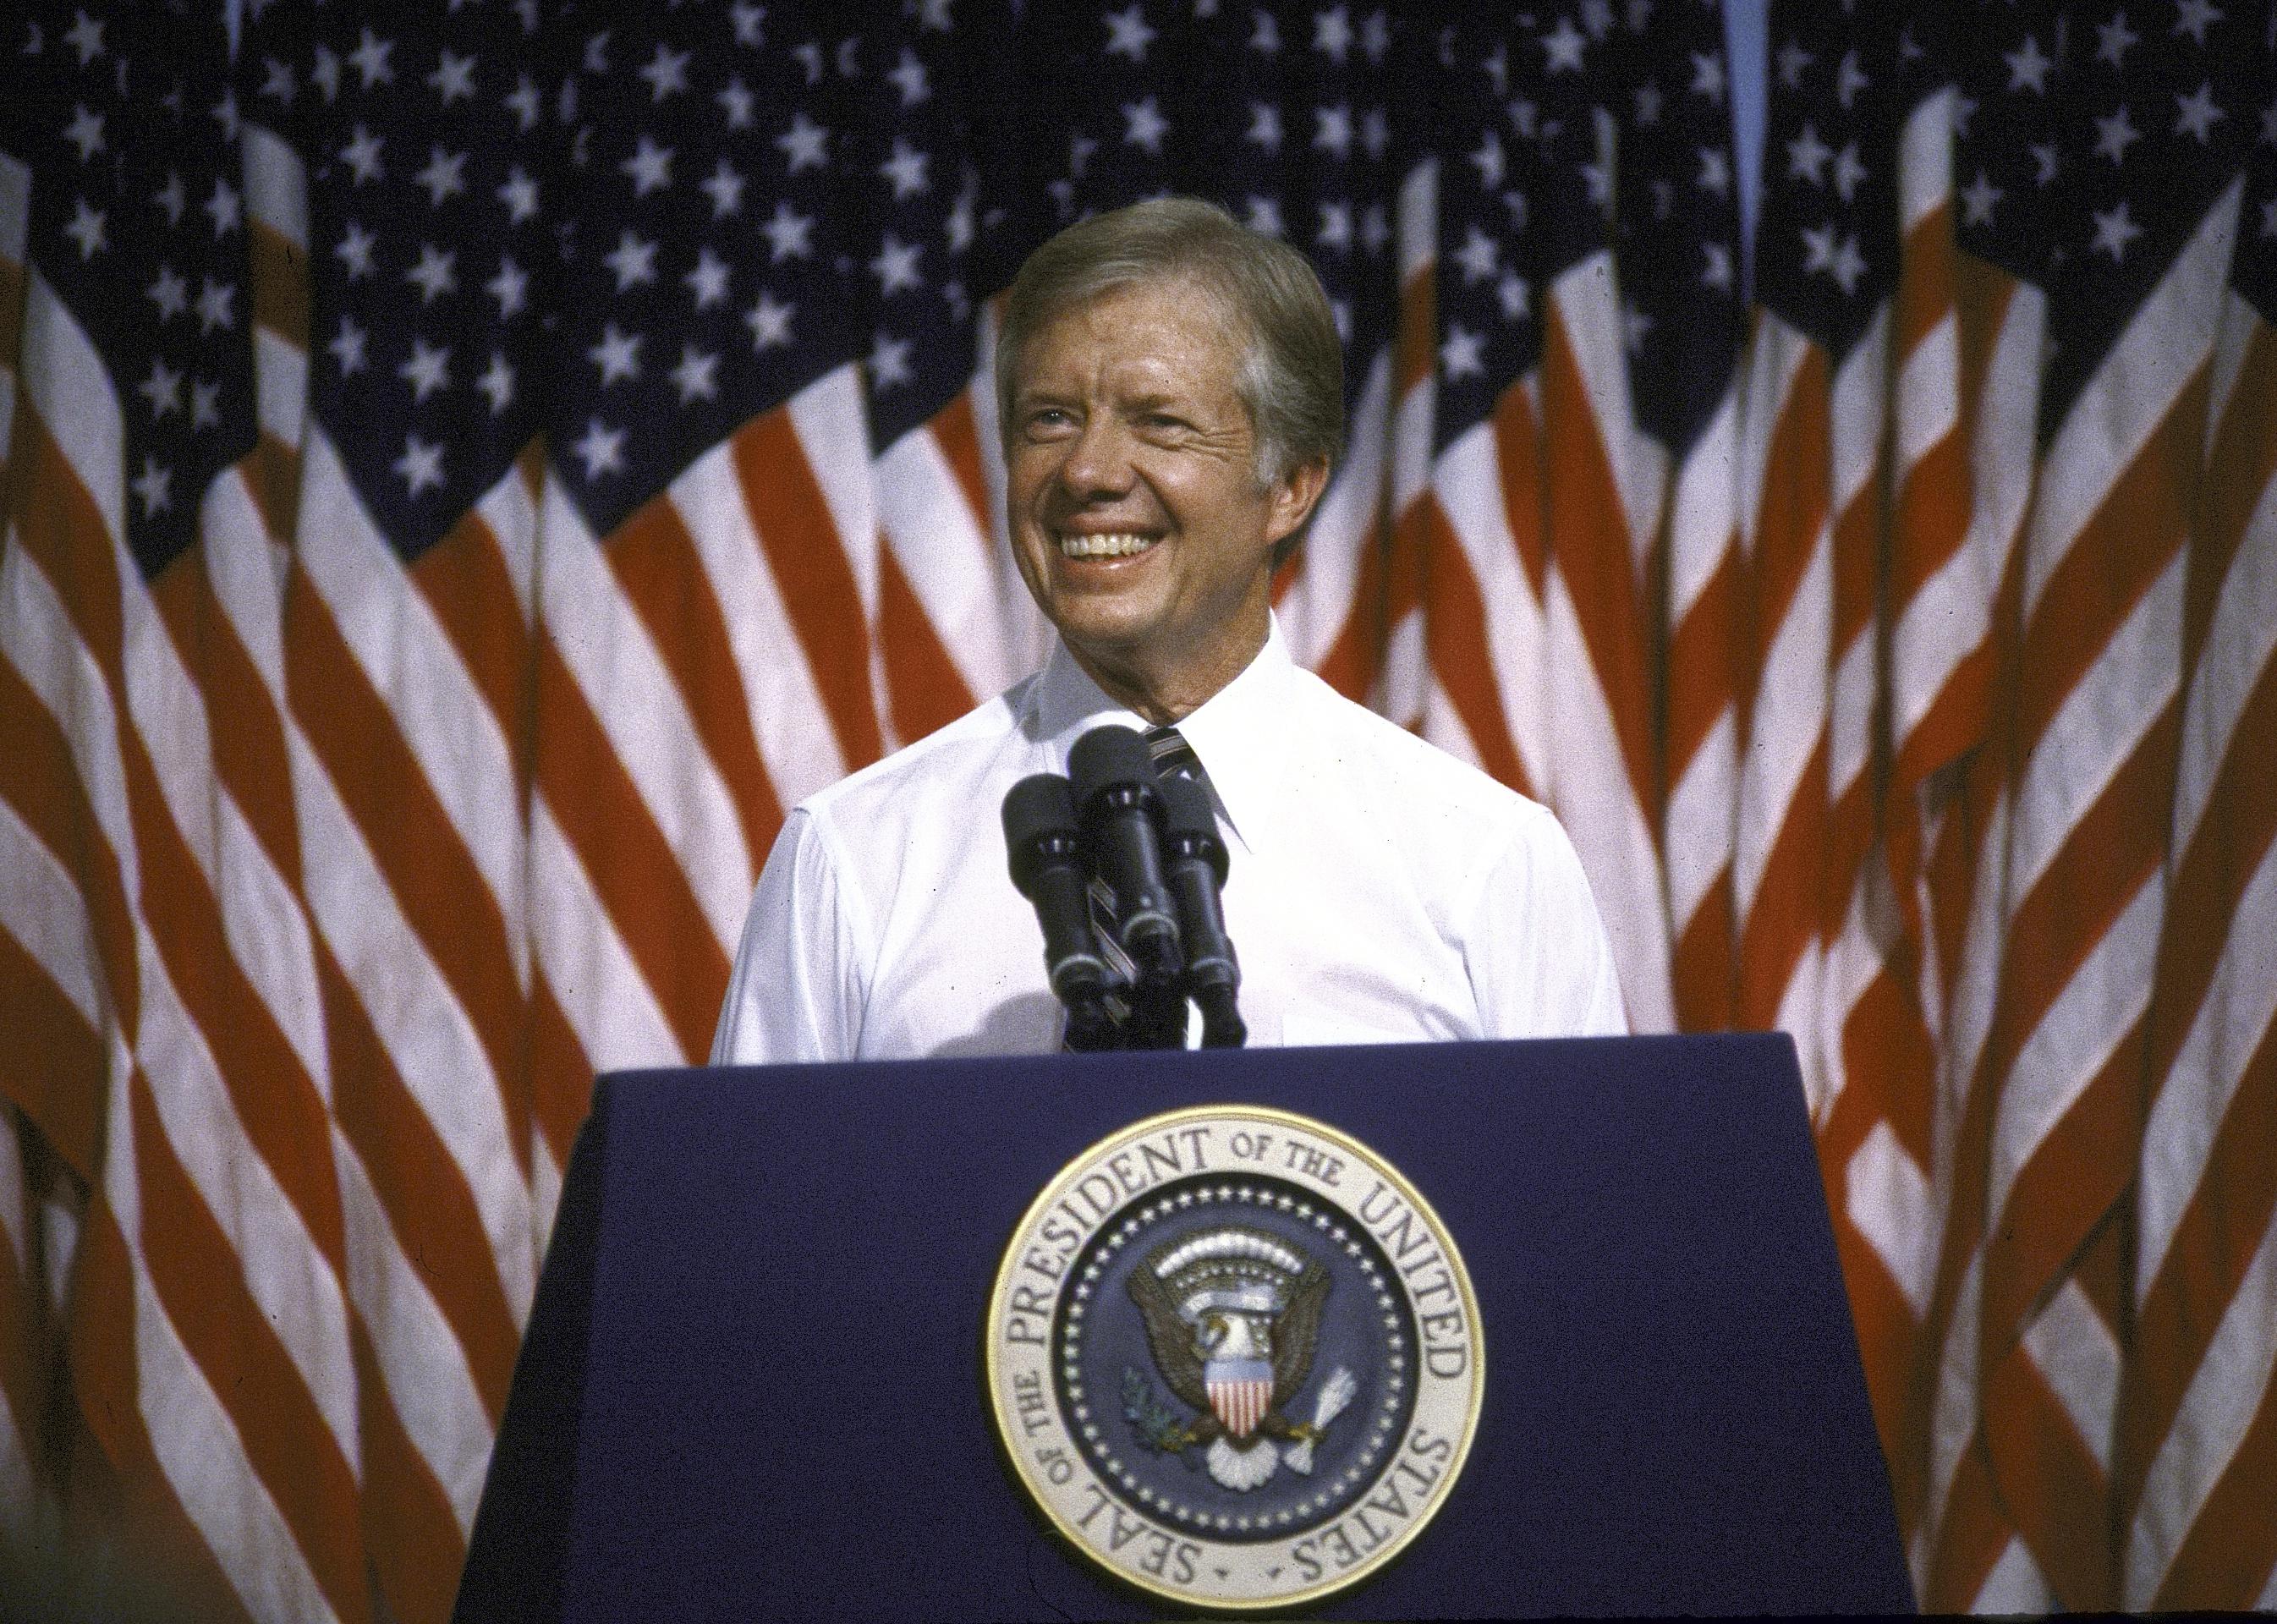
x=1173 y=755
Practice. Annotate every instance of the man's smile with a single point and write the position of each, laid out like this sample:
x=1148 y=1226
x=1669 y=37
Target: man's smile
x=1108 y=543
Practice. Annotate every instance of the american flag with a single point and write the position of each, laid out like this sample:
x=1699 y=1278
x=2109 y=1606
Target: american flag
x=469 y=467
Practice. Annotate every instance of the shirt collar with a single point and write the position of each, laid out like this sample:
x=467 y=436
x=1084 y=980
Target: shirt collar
x=1238 y=733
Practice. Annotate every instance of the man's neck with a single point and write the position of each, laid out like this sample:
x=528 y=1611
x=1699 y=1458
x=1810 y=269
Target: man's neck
x=1171 y=691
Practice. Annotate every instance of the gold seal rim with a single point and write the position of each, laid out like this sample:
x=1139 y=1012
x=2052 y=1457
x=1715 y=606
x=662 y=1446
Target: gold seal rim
x=992 y=1358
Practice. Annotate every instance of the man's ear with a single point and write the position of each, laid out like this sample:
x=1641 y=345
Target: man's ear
x=1293 y=498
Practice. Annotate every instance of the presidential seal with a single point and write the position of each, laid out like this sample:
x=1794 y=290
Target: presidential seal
x=1235 y=1357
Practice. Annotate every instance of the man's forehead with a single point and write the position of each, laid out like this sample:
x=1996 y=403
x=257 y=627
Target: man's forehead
x=1170 y=335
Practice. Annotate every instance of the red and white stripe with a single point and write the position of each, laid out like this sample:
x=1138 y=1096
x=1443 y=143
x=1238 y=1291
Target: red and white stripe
x=2198 y=1415
x=1875 y=1135
x=1603 y=483
x=2049 y=1143
x=399 y=690
x=1698 y=829
x=705 y=667
x=1383 y=656
x=210 y=1333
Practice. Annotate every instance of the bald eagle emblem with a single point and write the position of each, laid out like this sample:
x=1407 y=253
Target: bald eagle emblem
x=1232 y=1315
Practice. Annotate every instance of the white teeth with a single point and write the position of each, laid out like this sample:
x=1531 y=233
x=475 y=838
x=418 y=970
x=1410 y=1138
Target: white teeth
x=1117 y=546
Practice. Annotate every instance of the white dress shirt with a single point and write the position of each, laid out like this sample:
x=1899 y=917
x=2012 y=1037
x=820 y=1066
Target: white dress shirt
x=1379 y=889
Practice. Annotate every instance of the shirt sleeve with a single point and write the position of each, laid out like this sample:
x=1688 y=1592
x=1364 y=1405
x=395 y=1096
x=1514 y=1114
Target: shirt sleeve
x=796 y=993
x=1540 y=963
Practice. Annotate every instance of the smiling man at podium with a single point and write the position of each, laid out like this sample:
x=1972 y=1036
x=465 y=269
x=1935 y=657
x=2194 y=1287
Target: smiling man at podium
x=1170 y=389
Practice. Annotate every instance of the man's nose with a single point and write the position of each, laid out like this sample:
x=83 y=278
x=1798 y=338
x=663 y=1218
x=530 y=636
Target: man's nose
x=1098 y=463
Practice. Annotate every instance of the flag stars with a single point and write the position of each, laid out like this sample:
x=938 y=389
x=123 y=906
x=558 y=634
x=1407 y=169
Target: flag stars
x=725 y=187
x=736 y=103
x=445 y=176
x=170 y=293
x=154 y=487
x=805 y=145
x=163 y=389
x=205 y=405
x=2045 y=158
x=895 y=266
x=788 y=234
x=87 y=229
x=890 y=358
x=1708 y=76
x=649 y=167
x=1144 y=125
x=325 y=73
x=1716 y=269
x=696 y=377
x=769 y=320
x=2114 y=231
x=2114 y=39
x=496 y=383
x=1489 y=161
x=905 y=170
x=707 y=281
x=172 y=197
x=1562 y=47
x=1463 y=355
x=434 y=275
x=361 y=155
x=601 y=449
x=1715 y=177
x=1478 y=258
x=510 y=288
x=1807 y=157
x=1978 y=199
x=1264 y=33
x=369 y=59
x=1336 y=227
x=617 y=355
x=225 y=209
x=85 y=36
x=279 y=83
x=1793 y=62
x=2115 y=133
x=749 y=21
x=519 y=193
x=1127 y=34
x=1514 y=295
x=1849 y=80
x=421 y=465
x=1848 y=171
x=632 y=260
x=908 y=77
x=2195 y=17
x=427 y=371
x=1836 y=256
x=1333 y=134
x=1264 y=215
x=1648 y=105
x=1265 y=126
x=666 y=73
x=454 y=78
x=2194 y=115
x=347 y=347
x=524 y=104
x=214 y=302
x=85 y=132
x=2028 y=68
x=1332 y=35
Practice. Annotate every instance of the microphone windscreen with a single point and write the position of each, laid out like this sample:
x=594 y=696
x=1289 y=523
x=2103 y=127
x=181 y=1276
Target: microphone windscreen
x=1109 y=756
x=1038 y=808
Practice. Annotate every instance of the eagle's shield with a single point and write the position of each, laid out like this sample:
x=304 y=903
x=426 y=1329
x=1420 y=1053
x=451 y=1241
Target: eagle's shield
x=1240 y=1390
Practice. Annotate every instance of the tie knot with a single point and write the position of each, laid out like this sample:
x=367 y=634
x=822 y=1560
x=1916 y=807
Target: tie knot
x=1173 y=755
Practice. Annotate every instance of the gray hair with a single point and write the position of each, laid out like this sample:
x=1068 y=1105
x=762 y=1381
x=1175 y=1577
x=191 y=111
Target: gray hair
x=1291 y=379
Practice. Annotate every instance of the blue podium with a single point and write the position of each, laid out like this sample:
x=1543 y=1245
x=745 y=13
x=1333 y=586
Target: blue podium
x=752 y=1381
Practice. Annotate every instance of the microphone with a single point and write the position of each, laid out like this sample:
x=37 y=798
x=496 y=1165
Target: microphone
x=1194 y=864
x=1114 y=788
x=1045 y=845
